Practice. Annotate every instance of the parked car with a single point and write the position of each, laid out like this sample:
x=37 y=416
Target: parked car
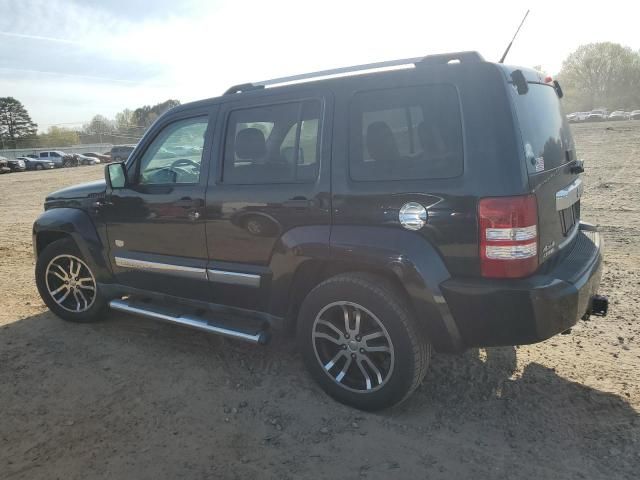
x=618 y=115
x=635 y=115
x=4 y=165
x=99 y=156
x=86 y=160
x=121 y=152
x=385 y=229
x=60 y=159
x=596 y=116
x=37 y=164
x=16 y=165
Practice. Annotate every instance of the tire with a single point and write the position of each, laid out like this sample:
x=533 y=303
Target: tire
x=52 y=268
x=400 y=352
x=39 y=167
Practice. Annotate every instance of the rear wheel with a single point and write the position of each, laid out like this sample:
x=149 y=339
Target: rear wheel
x=360 y=342
x=38 y=167
x=66 y=283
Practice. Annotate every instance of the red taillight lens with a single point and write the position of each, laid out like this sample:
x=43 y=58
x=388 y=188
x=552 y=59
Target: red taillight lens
x=508 y=236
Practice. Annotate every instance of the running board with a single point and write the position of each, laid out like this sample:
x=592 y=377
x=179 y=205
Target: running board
x=258 y=336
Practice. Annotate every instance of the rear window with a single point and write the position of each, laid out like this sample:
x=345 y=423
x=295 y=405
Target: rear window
x=545 y=130
x=405 y=134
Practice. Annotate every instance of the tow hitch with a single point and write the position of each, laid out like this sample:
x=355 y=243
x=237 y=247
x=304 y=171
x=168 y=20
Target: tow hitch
x=598 y=307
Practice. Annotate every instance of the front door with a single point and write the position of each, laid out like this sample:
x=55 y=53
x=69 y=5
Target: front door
x=155 y=224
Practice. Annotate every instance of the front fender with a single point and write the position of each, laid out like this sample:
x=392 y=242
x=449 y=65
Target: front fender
x=76 y=224
x=414 y=262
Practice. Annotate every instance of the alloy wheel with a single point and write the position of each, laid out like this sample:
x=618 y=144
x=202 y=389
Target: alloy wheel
x=70 y=283
x=353 y=347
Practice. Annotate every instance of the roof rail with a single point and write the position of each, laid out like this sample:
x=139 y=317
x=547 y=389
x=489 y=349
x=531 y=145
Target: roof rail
x=438 y=59
x=242 y=87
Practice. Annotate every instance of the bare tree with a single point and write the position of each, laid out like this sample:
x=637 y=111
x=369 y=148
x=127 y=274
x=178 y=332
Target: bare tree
x=601 y=74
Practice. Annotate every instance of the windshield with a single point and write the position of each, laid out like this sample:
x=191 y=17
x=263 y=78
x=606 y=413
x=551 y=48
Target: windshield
x=545 y=131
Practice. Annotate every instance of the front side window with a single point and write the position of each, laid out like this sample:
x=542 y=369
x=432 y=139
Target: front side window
x=406 y=134
x=273 y=144
x=175 y=155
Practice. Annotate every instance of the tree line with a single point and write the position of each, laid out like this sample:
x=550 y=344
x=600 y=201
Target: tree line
x=18 y=130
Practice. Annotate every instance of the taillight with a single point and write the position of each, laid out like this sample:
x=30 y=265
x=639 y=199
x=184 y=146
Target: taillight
x=508 y=236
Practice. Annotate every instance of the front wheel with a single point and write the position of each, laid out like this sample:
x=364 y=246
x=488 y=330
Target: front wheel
x=66 y=283
x=360 y=342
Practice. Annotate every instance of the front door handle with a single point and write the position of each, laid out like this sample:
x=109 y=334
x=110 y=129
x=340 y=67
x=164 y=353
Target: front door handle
x=98 y=204
x=297 y=202
x=193 y=215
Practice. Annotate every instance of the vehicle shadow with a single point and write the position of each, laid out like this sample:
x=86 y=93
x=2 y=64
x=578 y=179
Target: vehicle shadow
x=107 y=398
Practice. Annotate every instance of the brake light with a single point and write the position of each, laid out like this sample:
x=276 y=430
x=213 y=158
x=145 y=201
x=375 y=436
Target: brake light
x=508 y=236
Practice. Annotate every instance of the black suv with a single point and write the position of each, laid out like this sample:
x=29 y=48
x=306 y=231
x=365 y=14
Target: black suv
x=378 y=215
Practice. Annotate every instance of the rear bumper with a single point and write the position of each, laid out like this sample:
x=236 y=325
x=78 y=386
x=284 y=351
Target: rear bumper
x=516 y=312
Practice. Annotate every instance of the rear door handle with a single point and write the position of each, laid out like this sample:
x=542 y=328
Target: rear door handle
x=187 y=202
x=297 y=203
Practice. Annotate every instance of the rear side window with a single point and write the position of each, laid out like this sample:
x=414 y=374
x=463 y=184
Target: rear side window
x=273 y=144
x=545 y=130
x=405 y=134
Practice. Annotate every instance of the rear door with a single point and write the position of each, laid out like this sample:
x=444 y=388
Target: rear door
x=549 y=153
x=271 y=187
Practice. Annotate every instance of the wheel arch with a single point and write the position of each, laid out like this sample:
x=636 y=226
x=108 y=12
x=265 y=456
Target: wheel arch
x=75 y=224
x=406 y=260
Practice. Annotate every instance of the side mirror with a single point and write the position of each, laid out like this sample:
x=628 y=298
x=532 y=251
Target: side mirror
x=115 y=175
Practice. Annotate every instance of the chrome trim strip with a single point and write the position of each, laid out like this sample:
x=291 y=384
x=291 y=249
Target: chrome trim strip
x=155 y=267
x=569 y=195
x=571 y=236
x=234 y=278
x=187 y=321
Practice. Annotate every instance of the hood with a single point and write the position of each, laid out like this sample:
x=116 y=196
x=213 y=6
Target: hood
x=75 y=192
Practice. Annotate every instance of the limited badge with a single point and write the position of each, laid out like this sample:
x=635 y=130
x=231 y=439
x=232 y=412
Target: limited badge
x=119 y=243
x=540 y=164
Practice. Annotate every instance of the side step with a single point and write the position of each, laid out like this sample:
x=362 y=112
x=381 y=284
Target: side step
x=258 y=335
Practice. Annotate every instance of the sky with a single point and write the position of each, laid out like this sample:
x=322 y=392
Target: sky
x=67 y=60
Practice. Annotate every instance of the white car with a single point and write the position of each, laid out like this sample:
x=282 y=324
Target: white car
x=619 y=115
x=85 y=160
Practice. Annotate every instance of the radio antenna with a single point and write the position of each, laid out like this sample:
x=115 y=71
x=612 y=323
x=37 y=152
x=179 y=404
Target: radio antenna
x=504 y=55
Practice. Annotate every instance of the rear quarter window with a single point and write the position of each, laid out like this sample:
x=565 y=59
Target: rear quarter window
x=405 y=134
x=546 y=136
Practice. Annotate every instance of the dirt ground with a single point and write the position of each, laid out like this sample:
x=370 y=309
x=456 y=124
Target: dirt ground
x=129 y=398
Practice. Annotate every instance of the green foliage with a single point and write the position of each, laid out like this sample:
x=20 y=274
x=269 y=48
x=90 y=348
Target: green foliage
x=58 y=137
x=146 y=115
x=15 y=122
x=601 y=75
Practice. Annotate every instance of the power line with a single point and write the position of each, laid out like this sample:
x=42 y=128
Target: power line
x=39 y=37
x=72 y=75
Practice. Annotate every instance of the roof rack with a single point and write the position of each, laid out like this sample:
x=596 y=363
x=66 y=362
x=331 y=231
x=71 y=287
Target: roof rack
x=438 y=59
